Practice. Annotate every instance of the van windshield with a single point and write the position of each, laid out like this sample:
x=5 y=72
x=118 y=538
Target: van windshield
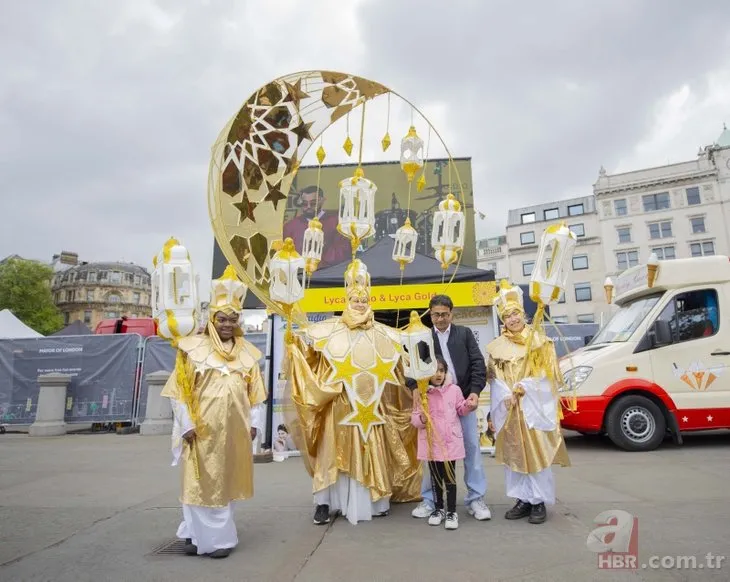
x=625 y=321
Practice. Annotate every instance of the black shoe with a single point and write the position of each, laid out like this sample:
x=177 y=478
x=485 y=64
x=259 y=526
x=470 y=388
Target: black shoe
x=520 y=510
x=322 y=515
x=538 y=514
x=382 y=513
x=190 y=548
x=222 y=553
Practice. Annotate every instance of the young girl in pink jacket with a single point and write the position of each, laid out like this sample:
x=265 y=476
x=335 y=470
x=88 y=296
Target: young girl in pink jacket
x=445 y=404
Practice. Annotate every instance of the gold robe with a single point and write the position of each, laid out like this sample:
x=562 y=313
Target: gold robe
x=226 y=387
x=386 y=463
x=522 y=449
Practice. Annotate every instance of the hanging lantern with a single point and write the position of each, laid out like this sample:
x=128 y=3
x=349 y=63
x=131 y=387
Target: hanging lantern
x=411 y=153
x=357 y=208
x=417 y=342
x=404 y=249
x=174 y=292
x=287 y=274
x=549 y=276
x=312 y=246
x=447 y=236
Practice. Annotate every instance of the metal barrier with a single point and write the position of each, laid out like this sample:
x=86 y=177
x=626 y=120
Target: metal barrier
x=104 y=372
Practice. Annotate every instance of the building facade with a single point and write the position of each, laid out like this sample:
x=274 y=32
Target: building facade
x=676 y=211
x=91 y=292
x=492 y=256
x=584 y=299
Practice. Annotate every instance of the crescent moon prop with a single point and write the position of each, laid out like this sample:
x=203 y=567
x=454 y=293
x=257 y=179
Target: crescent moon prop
x=257 y=155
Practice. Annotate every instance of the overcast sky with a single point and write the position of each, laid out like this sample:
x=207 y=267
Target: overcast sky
x=108 y=109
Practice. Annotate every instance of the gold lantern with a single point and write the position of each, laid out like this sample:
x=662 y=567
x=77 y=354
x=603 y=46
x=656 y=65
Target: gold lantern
x=312 y=246
x=550 y=274
x=404 y=249
x=447 y=236
x=357 y=208
x=411 y=153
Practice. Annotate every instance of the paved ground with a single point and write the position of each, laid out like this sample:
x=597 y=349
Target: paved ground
x=96 y=507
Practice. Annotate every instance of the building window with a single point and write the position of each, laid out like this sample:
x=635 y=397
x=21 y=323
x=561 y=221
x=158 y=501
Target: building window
x=528 y=218
x=698 y=224
x=575 y=210
x=87 y=317
x=70 y=295
x=586 y=318
x=627 y=259
x=578 y=229
x=137 y=279
x=583 y=292
x=552 y=214
x=90 y=295
x=116 y=277
x=620 y=207
x=527 y=238
x=102 y=275
x=660 y=229
x=693 y=196
x=580 y=262
x=527 y=267
x=702 y=249
x=664 y=253
x=136 y=297
x=624 y=234
x=654 y=202
x=113 y=298
x=66 y=317
x=112 y=314
x=560 y=319
x=562 y=297
x=92 y=276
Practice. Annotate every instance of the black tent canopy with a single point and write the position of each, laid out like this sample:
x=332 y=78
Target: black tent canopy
x=75 y=328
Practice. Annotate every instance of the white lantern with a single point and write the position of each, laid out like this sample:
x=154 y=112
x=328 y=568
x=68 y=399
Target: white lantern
x=404 y=249
x=411 y=153
x=549 y=276
x=417 y=341
x=174 y=292
x=357 y=207
x=287 y=275
x=447 y=236
x=312 y=246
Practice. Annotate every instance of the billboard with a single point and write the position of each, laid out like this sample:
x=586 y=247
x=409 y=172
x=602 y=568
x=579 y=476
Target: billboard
x=305 y=201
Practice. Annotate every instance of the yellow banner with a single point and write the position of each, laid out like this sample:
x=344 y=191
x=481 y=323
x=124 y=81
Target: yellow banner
x=403 y=296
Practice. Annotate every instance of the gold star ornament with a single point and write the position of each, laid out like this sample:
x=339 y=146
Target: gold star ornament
x=343 y=370
x=365 y=417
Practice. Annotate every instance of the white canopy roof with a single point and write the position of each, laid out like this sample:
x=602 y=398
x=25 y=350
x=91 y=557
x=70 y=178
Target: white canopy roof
x=12 y=328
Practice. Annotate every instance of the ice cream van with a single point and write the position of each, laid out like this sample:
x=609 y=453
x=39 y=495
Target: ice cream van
x=660 y=364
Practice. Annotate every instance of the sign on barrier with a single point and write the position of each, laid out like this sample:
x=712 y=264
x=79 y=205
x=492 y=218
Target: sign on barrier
x=103 y=370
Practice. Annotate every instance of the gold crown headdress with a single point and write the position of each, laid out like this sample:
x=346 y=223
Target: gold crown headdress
x=227 y=293
x=357 y=279
x=508 y=299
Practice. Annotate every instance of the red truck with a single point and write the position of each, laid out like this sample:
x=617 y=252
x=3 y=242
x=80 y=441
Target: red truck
x=144 y=326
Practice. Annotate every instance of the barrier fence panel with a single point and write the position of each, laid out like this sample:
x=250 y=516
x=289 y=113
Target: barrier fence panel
x=103 y=370
x=569 y=337
x=160 y=355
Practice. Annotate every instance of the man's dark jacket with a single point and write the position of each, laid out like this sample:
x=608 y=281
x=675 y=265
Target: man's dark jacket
x=471 y=369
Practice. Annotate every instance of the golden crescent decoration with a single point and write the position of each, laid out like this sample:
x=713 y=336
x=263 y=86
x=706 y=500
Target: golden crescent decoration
x=256 y=157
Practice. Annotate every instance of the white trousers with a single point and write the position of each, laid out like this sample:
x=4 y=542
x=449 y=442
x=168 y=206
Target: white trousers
x=351 y=499
x=209 y=528
x=532 y=488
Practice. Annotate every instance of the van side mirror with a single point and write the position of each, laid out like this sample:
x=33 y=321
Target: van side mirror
x=662 y=333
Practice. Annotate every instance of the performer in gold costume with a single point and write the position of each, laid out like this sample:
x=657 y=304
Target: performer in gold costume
x=217 y=395
x=525 y=408
x=353 y=410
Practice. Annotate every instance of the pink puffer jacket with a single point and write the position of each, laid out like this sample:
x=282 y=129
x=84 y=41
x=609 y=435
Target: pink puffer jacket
x=445 y=405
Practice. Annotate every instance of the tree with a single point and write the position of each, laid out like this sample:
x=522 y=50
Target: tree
x=25 y=289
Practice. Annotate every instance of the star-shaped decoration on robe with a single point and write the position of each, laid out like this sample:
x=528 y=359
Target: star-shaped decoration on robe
x=383 y=370
x=294 y=92
x=275 y=195
x=200 y=368
x=343 y=370
x=246 y=208
x=302 y=131
x=364 y=418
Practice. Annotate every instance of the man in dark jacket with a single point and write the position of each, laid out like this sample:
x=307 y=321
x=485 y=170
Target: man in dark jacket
x=458 y=346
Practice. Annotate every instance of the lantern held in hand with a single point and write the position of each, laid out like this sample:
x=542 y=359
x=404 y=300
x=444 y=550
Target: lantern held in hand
x=174 y=292
x=549 y=276
x=287 y=275
x=417 y=342
x=447 y=236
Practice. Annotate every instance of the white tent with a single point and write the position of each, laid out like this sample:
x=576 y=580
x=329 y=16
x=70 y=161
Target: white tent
x=12 y=328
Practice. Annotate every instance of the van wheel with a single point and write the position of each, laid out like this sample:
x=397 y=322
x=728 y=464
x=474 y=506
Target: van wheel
x=635 y=423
